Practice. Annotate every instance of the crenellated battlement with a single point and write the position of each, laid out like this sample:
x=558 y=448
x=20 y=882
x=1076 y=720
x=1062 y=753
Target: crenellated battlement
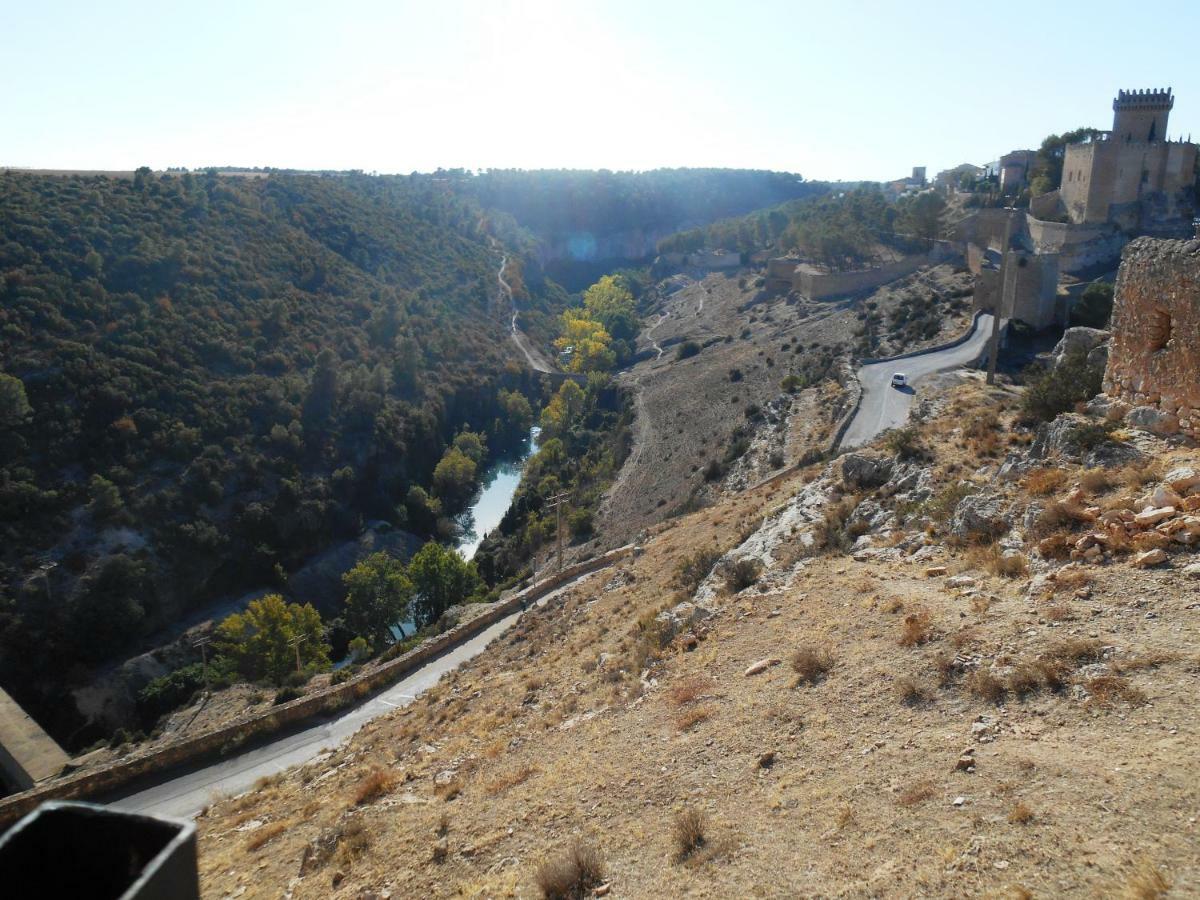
x=1152 y=98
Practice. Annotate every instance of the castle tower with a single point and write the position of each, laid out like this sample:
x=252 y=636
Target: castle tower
x=1141 y=116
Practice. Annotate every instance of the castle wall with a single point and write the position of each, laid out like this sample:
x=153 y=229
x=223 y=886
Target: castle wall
x=1154 y=355
x=1079 y=247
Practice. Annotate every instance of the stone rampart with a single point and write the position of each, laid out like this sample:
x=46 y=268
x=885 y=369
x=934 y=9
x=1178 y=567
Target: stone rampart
x=228 y=737
x=1154 y=356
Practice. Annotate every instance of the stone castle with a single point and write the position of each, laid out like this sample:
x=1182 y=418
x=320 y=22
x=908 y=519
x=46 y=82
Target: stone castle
x=1133 y=176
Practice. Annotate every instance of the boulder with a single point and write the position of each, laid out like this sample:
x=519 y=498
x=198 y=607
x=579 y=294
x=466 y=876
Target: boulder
x=860 y=470
x=1153 y=419
x=1153 y=515
x=1079 y=340
x=1151 y=540
x=761 y=666
x=979 y=514
x=1097 y=357
x=1183 y=479
x=1150 y=558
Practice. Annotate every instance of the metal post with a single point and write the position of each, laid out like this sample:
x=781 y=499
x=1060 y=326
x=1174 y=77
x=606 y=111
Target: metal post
x=295 y=642
x=557 y=502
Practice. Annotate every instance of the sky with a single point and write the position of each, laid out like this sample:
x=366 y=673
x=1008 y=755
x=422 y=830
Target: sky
x=844 y=89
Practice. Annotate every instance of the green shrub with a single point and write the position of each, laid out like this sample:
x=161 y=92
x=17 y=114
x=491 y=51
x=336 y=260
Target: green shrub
x=693 y=569
x=687 y=350
x=741 y=574
x=1053 y=391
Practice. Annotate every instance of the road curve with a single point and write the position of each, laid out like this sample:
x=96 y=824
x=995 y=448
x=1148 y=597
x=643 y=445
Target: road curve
x=187 y=793
x=885 y=407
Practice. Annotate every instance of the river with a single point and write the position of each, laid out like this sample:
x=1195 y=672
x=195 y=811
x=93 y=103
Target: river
x=498 y=485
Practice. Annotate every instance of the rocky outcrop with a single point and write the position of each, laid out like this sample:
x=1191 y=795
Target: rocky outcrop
x=1081 y=340
x=979 y=515
x=861 y=470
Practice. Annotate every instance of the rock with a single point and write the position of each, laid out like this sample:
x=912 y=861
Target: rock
x=1192 y=571
x=1078 y=340
x=860 y=470
x=603 y=889
x=1097 y=357
x=959 y=801
x=1150 y=558
x=979 y=515
x=1153 y=516
x=1153 y=419
x=1165 y=495
x=1151 y=540
x=959 y=581
x=1182 y=479
x=761 y=666
x=935 y=571
x=1192 y=504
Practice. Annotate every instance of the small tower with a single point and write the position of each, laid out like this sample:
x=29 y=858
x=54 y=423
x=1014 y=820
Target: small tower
x=1141 y=116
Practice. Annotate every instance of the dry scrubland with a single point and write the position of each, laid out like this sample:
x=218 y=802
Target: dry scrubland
x=838 y=728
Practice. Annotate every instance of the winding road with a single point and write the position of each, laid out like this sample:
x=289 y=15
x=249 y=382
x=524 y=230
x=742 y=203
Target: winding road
x=185 y=793
x=884 y=406
x=532 y=355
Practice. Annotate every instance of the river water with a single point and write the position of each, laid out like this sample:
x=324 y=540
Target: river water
x=498 y=485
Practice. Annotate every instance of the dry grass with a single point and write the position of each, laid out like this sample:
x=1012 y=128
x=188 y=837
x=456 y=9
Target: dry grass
x=688 y=833
x=261 y=836
x=1106 y=690
x=377 y=783
x=1025 y=678
x=915 y=793
x=1058 y=612
x=986 y=686
x=1020 y=814
x=1044 y=482
x=1146 y=883
x=990 y=558
x=503 y=782
x=811 y=664
x=571 y=875
x=690 y=689
x=690 y=718
x=946 y=668
x=1096 y=481
x=911 y=691
x=916 y=629
x=1150 y=660
x=1071 y=580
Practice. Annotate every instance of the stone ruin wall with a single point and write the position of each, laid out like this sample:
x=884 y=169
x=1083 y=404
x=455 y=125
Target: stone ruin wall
x=1154 y=357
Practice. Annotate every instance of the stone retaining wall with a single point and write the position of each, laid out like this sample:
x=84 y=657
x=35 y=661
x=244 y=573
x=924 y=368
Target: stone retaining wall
x=220 y=741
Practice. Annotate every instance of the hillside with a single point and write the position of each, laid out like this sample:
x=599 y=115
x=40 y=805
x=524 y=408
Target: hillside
x=223 y=376
x=874 y=677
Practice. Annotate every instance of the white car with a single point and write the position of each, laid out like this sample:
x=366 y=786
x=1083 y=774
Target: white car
x=899 y=381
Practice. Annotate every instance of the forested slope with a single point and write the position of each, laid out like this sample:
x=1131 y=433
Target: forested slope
x=207 y=379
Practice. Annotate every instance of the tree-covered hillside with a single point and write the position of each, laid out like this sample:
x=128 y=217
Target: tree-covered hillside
x=207 y=379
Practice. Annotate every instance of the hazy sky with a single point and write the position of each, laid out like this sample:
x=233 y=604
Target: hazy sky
x=838 y=89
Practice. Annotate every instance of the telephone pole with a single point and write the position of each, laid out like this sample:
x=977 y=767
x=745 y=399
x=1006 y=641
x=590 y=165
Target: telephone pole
x=203 y=643
x=296 y=642
x=557 y=502
x=1006 y=275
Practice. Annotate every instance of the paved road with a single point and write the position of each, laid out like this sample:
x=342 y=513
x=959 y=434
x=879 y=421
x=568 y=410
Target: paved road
x=185 y=794
x=885 y=407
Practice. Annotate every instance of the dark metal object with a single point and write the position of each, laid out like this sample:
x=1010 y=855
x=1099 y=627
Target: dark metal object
x=91 y=852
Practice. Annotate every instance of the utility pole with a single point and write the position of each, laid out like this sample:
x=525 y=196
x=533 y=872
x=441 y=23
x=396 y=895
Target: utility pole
x=296 y=642
x=1006 y=274
x=203 y=643
x=557 y=502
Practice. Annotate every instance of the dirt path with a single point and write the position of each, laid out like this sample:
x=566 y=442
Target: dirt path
x=533 y=356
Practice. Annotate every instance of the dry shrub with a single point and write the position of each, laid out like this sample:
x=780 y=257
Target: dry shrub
x=811 y=664
x=1096 y=481
x=688 y=833
x=741 y=574
x=1025 y=678
x=915 y=793
x=986 y=686
x=1020 y=814
x=1071 y=579
x=510 y=779
x=1044 y=482
x=1146 y=883
x=1075 y=650
x=1058 y=612
x=892 y=605
x=916 y=629
x=690 y=718
x=1108 y=689
x=694 y=568
x=911 y=691
x=373 y=786
x=690 y=689
x=1057 y=516
x=1057 y=545
x=571 y=875
x=946 y=667
x=990 y=558
x=264 y=834
x=1137 y=475
x=1150 y=660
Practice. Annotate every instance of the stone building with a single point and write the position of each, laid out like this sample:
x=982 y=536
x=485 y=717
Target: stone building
x=1132 y=176
x=1014 y=170
x=1154 y=356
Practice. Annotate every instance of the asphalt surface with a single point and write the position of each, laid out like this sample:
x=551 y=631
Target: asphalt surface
x=186 y=793
x=884 y=406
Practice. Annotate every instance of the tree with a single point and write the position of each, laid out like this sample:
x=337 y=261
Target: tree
x=923 y=215
x=454 y=475
x=587 y=341
x=1094 y=308
x=563 y=409
x=440 y=578
x=14 y=405
x=322 y=392
x=518 y=414
x=610 y=302
x=472 y=445
x=259 y=639
x=1047 y=169
x=378 y=592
